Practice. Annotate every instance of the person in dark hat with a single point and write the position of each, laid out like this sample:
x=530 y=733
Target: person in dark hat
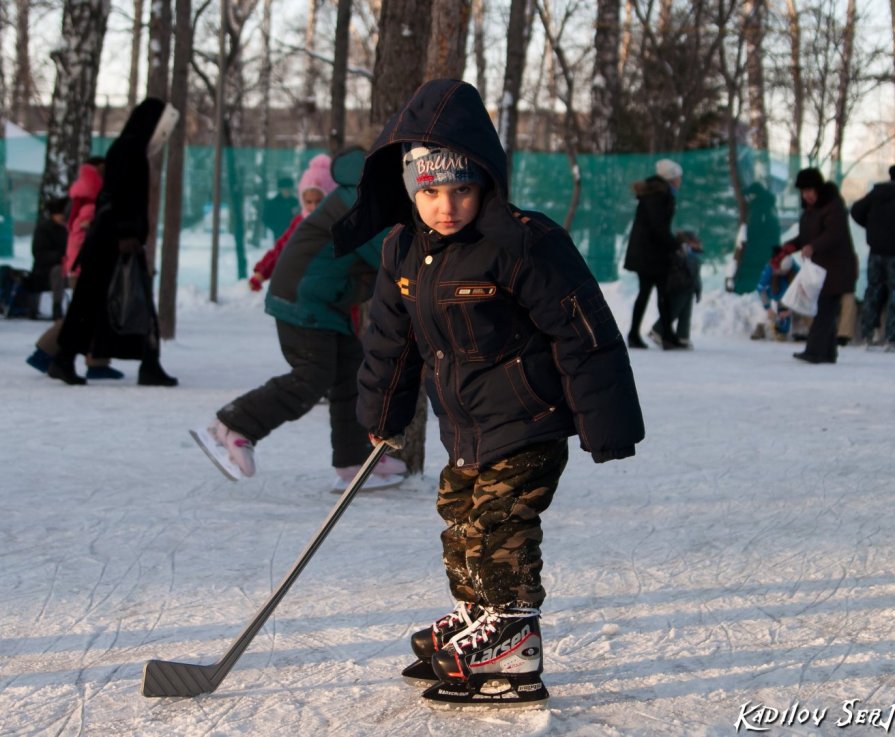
x=824 y=238
x=876 y=212
x=280 y=209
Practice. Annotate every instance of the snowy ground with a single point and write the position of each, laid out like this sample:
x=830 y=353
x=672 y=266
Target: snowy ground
x=742 y=558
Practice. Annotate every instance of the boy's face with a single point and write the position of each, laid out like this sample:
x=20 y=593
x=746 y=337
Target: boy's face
x=448 y=208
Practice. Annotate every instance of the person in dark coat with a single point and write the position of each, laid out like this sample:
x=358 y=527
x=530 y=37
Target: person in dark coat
x=651 y=247
x=496 y=310
x=120 y=227
x=48 y=250
x=876 y=212
x=281 y=208
x=824 y=238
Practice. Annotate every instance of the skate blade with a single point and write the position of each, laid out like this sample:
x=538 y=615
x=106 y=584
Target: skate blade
x=420 y=673
x=224 y=465
x=493 y=693
x=373 y=483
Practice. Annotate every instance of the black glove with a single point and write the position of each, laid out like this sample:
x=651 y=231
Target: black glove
x=613 y=454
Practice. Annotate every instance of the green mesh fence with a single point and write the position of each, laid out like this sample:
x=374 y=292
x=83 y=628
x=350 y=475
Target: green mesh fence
x=542 y=181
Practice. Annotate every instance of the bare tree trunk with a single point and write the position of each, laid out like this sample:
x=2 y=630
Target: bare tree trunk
x=71 y=110
x=733 y=84
x=753 y=32
x=605 y=88
x=22 y=81
x=261 y=156
x=157 y=86
x=571 y=132
x=136 y=43
x=665 y=8
x=481 y=65
x=798 y=88
x=240 y=11
x=339 y=77
x=892 y=17
x=310 y=82
x=6 y=229
x=403 y=40
x=404 y=29
x=518 y=35
x=627 y=38
x=447 y=48
x=183 y=50
x=842 y=93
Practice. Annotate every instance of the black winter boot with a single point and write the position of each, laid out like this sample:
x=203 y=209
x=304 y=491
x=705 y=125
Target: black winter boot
x=62 y=367
x=152 y=374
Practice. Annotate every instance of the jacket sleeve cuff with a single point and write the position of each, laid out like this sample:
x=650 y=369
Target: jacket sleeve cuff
x=613 y=454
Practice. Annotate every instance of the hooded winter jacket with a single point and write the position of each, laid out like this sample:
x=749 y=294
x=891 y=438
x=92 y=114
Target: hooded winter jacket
x=311 y=287
x=651 y=243
x=824 y=226
x=82 y=193
x=516 y=338
x=876 y=212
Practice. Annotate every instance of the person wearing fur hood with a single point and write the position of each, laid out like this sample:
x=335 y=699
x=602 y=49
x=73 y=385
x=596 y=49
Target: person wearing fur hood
x=825 y=238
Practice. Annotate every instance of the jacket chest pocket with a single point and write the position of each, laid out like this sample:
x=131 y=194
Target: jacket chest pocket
x=476 y=317
x=590 y=317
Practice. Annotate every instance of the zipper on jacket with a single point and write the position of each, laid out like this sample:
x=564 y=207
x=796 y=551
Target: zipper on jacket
x=429 y=275
x=576 y=310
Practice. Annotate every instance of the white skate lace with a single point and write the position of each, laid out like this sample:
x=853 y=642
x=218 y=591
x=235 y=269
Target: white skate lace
x=486 y=625
x=459 y=614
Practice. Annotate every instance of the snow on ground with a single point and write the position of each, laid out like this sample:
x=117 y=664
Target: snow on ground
x=742 y=558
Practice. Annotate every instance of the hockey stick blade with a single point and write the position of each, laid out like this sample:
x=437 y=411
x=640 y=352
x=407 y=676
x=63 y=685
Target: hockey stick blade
x=164 y=678
x=167 y=678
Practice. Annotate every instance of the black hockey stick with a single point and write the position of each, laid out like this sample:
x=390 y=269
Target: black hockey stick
x=167 y=678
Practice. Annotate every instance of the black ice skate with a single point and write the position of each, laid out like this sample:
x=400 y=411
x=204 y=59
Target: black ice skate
x=498 y=662
x=428 y=641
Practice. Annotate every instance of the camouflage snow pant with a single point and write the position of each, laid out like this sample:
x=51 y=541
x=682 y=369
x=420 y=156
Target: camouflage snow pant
x=492 y=543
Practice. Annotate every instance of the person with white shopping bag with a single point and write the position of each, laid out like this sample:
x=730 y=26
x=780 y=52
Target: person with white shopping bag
x=825 y=241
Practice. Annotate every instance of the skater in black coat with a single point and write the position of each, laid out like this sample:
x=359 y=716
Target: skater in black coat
x=120 y=227
x=497 y=309
x=651 y=247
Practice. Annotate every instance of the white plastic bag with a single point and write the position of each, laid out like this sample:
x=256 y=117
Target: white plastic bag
x=803 y=291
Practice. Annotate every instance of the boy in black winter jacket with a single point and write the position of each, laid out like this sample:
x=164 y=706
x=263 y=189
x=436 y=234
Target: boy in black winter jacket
x=520 y=351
